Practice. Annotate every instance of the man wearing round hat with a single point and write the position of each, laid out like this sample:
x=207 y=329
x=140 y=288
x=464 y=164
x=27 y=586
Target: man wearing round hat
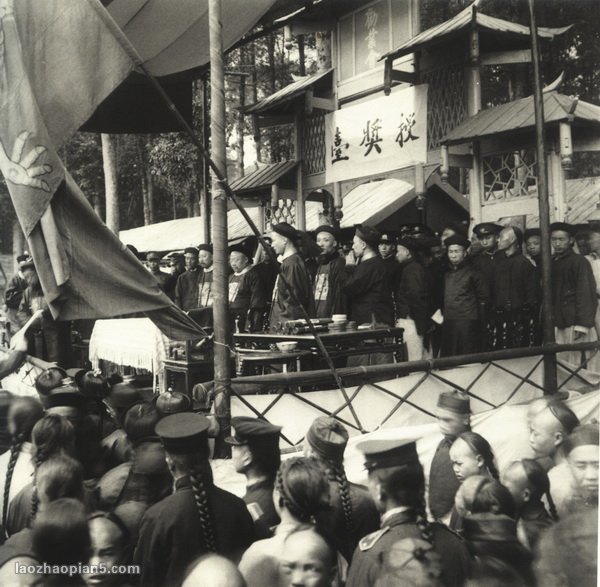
x=574 y=298
x=466 y=297
x=186 y=289
x=329 y=299
x=368 y=289
x=163 y=278
x=453 y=416
x=397 y=484
x=582 y=453
x=293 y=269
x=248 y=297
x=487 y=236
x=198 y=517
x=413 y=298
x=255 y=454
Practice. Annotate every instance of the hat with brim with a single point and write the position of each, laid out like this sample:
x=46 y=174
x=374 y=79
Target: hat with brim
x=368 y=234
x=286 y=230
x=487 y=229
x=455 y=401
x=153 y=257
x=67 y=395
x=381 y=453
x=240 y=249
x=205 y=247
x=184 y=433
x=330 y=229
x=410 y=243
x=584 y=435
x=386 y=239
x=457 y=239
x=488 y=527
x=190 y=251
x=250 y=431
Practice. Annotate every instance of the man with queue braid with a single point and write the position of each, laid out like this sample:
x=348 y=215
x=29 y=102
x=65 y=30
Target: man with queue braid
x=198 y=517
x=352 y=513
x=397 y=484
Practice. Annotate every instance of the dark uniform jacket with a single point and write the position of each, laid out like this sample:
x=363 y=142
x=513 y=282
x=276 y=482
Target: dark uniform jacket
x=247 y=300
x=413 y=295
x=369 y=292
x=573 y=291
x=465 y=291
x=514 y=282
x=365 y=518
x=259 y=501
x=367 y=560
x=296 y=275
x=186 y=289
x=329 y=278
x=443 y=483
x=486 y=263
x=170 y=536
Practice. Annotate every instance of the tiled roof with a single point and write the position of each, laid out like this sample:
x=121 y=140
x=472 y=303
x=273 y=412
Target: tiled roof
x=263 y=177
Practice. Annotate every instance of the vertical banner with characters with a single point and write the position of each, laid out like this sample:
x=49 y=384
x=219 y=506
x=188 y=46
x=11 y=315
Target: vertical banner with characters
x=379 y=135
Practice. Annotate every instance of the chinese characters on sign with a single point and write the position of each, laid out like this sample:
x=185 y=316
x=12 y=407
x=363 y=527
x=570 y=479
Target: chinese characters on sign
x=371 y=17
x=361 y=143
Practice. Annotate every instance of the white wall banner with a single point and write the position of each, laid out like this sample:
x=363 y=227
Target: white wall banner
x=380 y=135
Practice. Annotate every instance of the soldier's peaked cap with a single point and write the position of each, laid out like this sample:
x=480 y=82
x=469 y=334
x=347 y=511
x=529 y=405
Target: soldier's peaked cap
x=386 y=239
x=486 y=229
x=182 y=433
x=328 y=438
x=455 y=401
x=389 y=452
x=247 y=430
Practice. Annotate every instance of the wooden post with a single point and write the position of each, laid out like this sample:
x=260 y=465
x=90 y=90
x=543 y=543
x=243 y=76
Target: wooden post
x=219 y=231
x=204 y=196
x=298 y=132
x=550 y=384
x=109 y=163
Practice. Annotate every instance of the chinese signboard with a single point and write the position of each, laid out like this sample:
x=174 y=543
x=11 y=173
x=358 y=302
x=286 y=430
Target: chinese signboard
x=376 y=136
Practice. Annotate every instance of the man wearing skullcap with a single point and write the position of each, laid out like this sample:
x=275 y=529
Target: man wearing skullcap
x=397 y=485
x=352 y=513
x=293 y=269
x=453 y=416
x=466 y=297
x=413 y=298
x=248 y=296
x=205 y=279
x=548 y=431
x=327 y=289
x=255 y=454
x=367 y=288
x=163 y=278
x=487 y=236
x=574 y=298
x=198 y=517
x=186 y=289
x=514 y=294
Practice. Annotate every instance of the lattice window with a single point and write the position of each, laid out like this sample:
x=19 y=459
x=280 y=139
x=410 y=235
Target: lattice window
x=511 y=174
x=313 y=148
x=285 y=212
x=446 y=102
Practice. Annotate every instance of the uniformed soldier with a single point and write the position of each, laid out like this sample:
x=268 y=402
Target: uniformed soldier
x=387 y=251
x=186 y=289
x=453 y=416
x=255 y=454
x=397 y=484
x=163 y=278
x=198 y=518
x=487 y=235
x=352 y=512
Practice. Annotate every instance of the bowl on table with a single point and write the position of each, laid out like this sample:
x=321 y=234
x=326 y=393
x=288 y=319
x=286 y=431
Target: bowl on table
x=287 y=346
x=339 y=318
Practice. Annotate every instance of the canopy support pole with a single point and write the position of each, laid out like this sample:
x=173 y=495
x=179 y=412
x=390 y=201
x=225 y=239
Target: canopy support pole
x=550 y=384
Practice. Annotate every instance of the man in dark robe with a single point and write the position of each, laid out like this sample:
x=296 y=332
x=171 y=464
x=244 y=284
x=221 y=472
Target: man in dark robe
x=163 y=278
x=329 y=299
x=466 y=298
x=574 y=298
x=453 y=415
x=247 y=293
x=387 y=251
x=487 y=235
x=186 y=290
x=367 y=287
x=284 y=237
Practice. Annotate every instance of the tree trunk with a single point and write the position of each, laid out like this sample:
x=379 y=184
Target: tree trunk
x=111 y=176
x=145 y=181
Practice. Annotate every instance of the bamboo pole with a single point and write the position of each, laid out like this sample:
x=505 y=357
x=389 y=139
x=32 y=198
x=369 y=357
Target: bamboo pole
x=220 y=285
x=204 y=194
x=547 y=314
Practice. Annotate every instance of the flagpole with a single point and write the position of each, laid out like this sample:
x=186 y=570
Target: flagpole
x=550 y=384
x=219 y=230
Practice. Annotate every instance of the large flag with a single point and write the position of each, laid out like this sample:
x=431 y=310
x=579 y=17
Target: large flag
x=58 y=60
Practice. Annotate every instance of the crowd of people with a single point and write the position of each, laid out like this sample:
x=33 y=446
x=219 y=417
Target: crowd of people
x=452 y=296
x=101 y=485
